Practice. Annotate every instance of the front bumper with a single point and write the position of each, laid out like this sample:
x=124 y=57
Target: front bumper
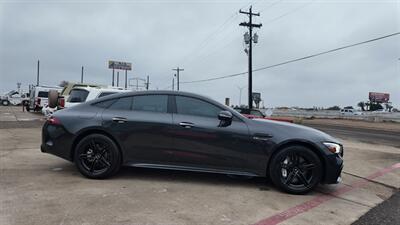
x=333 y=169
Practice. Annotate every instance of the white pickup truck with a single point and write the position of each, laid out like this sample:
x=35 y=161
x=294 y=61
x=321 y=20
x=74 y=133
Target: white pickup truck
x=14 y=98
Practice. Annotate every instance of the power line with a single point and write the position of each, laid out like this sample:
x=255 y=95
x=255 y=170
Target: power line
x=213 y=35
x=295 y=60
x=291 y=11
x=270 y=6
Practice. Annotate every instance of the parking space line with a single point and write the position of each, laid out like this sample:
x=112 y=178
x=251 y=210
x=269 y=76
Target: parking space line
x=305 y=206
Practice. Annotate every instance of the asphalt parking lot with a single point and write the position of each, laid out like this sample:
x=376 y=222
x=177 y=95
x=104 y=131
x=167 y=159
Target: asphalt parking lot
x=37 y=188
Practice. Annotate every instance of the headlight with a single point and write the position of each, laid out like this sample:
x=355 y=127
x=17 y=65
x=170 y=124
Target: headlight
x=333 y=147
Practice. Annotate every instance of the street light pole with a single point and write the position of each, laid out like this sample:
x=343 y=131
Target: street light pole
x=240 y=94
x=82 y=75
x=37 y=75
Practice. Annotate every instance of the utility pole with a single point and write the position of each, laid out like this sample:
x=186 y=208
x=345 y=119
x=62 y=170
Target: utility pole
x=112 y=77
x=117 y=78
x=126 y=79
x=147 y=83
x=82 y=75
x=240 y=95
x=249 y=39
x=173 y=83
x=37 y=75
x=177 y=76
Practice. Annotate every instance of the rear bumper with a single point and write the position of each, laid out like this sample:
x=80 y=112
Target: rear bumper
x=56 y=141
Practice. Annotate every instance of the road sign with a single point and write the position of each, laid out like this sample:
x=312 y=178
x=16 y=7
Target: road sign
x=379 y=97
x=119 y=65
x=256 y=97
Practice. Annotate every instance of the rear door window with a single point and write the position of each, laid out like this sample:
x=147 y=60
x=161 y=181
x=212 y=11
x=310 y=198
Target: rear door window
x=78 y=95
x=150 y=103
x=122 y=104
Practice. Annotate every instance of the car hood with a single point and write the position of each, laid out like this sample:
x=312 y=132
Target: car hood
x=284 y=131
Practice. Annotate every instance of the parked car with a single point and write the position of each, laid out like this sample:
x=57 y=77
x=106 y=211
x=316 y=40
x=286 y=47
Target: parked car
x=14 y=97
x=69 y=86
x=258 y=114
x=79 y=95
x=184 y=131
x=38 y=96
x=350 y=112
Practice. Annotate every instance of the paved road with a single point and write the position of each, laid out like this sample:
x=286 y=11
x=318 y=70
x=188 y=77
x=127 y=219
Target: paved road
x=366 y=135
x=386 y=213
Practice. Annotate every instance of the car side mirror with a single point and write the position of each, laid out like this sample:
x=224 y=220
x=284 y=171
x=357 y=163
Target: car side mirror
x=225 y=118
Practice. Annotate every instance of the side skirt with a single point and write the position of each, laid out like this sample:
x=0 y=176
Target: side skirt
x=190 y=168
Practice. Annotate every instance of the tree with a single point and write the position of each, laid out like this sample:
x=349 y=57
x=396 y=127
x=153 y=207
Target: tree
x=375 y=106
x=334 y=108
x=63 y=83
x=361 y=105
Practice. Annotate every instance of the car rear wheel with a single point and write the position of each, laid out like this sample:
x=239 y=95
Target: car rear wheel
x=5 y=102
x=296 y=169
x=97 y=156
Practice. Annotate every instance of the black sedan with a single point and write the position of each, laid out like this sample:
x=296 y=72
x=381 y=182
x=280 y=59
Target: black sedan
x=184 y=131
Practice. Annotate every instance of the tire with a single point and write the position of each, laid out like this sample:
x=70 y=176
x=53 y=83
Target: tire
x=97 y=157
x=5 y=103
x=53 y=98
x=295 y=169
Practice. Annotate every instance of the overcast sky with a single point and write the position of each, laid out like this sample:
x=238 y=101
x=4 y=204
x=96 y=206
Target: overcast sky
x=204 y=38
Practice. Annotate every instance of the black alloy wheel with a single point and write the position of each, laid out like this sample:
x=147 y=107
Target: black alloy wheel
x=296 y=169
x=97 y=156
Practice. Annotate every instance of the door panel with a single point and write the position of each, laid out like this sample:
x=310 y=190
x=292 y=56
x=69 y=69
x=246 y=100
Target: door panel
x=201 y=141
x=204 y=143
x=145 y=136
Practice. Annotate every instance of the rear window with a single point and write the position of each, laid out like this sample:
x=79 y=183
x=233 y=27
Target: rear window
x=43 y=94
x=78 y=95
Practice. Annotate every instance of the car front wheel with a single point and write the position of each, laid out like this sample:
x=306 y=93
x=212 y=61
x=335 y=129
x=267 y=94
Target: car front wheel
x=296 y=169
x=97 y=156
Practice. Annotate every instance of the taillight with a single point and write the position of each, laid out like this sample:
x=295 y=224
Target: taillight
x=53 y=121
x=61 y=102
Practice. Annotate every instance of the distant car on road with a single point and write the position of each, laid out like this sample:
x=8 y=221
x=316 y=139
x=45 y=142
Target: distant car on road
x=350 y=112
x=184 y=131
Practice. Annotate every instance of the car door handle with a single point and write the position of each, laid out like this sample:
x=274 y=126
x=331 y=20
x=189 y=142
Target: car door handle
x=186 y=124
x=119 y=119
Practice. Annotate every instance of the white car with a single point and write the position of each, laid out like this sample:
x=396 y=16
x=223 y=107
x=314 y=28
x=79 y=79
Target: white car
x=80 y=95
x=350 y=112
